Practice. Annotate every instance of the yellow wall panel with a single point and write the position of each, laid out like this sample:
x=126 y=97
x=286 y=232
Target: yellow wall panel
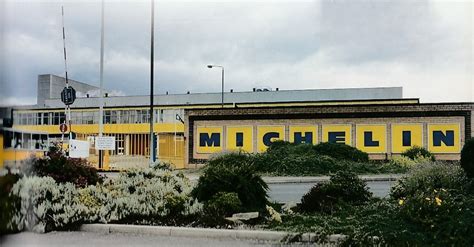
x=371 y=138
x=405 y=136
x=339 y=133
x=268 y=134
x=444 y=138
x=1 y=150
x=209 y=140
x=108 y=128
x=299 y=133
x=240 y=138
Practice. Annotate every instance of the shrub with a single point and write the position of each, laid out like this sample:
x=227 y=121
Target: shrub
x=146 y=196
x=467 y=158
x=344 y=188
x=8 y=204
x=407 y=163
x=219 y=206
x=341 y=152
x=46 y=205
x=416 y=152
x=429 y=177
x=63 y=169
x=240 y=178
x=438 y=198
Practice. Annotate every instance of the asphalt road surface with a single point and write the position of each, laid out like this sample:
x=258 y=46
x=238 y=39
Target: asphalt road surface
x=292 y=192
x=114 y=239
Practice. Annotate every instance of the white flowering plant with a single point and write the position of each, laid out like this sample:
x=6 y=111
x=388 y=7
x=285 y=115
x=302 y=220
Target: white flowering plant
x=148 y=196
x=46 y=205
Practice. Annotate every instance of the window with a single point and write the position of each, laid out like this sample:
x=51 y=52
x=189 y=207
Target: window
x=106 y=117
x=89 y=117
x=46 y=118
x=58 y=118
x=113 y=117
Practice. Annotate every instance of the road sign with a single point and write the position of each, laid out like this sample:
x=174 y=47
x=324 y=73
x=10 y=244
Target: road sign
x=68 y=95
x=105 y=143
x=78 y=149
x=63 y=127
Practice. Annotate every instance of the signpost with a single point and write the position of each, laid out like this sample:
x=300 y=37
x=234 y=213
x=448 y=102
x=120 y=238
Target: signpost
x=78 y=149
x=63 y=128
x=105 y=143
x=68 y=95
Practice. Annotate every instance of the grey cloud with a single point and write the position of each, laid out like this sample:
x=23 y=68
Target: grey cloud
x=288 y=45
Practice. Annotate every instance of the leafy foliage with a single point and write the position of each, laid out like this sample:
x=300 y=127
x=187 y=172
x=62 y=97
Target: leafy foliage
x=341 y=152
x=429 y=177
x=344 y=188
x=146 y=196
x=284 y=158
x=46 y=205
x=222 y=174
x=219 y=206
x=149 y=196
x=432 y=206
x=415 y=152
x=467 y=158
x=7 y=203
x=64 y=169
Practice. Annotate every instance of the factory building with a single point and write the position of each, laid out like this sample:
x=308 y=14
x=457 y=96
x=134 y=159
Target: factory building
x=377 y=120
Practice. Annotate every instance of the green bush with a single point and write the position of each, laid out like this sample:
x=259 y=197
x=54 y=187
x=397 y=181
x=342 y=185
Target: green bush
x=438 y=198
x=416 y=152
x=239 y=177
x=8 y=204
x=467 y=158
x=221 y=205
x=341 y=152
x=429 y=177
x=344 y=188
x=284 y=158
x=63 y=169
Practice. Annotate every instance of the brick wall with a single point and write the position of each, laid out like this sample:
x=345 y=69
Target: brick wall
x=361 y=114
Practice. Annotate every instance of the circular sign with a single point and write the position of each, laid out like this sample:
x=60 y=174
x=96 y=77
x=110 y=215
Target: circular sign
x=63 y=127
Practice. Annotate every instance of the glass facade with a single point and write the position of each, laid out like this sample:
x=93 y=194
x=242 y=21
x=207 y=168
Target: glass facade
x=132 y=116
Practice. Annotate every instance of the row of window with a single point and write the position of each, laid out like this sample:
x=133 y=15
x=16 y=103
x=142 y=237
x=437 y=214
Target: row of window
x=92 y=117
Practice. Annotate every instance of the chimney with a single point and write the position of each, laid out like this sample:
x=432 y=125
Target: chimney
x=232 y=90
x=254 y=89
x=276 y=89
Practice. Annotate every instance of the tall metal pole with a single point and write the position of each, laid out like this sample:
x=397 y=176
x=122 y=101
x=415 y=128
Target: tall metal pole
x=101 y=97
x=152 y=44
x=222 y=87
x=67 y=109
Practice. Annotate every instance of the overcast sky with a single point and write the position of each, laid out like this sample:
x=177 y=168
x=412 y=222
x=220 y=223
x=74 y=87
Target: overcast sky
x=424 y=46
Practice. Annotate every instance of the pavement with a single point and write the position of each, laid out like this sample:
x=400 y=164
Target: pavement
x=208 y=233
x=81 y=238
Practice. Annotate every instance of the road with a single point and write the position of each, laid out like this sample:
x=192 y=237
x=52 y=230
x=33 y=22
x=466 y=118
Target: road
x=292 y=192
x=80 y=239
x=286 y=192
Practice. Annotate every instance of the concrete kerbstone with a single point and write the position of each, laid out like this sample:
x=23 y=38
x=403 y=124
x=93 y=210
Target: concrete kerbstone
x=202 y=232
x=259 y=235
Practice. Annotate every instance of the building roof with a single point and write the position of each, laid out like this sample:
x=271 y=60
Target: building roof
x=308 y=95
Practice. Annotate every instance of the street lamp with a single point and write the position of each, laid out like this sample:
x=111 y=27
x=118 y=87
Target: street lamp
x=222 y=67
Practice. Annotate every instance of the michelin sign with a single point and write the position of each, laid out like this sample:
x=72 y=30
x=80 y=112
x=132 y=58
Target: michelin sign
x=371 y=138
